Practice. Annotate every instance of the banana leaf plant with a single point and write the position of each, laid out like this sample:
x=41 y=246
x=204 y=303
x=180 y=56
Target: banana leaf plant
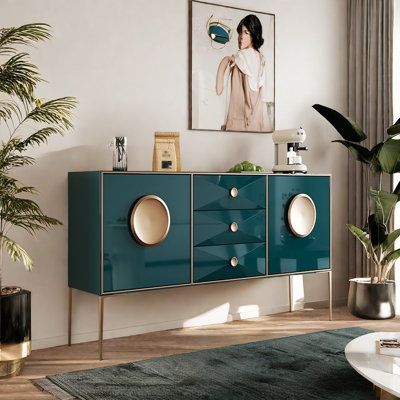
x=383 y=158
x=25 y=121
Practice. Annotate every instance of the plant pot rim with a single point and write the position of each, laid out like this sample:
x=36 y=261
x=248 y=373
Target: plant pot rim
x=367 y=281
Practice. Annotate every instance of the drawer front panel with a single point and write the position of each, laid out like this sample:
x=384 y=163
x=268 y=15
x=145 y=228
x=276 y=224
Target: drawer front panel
x=288 y=253
x=228 y=227
x=217 y=192
x=128 y=264
x=213 y=263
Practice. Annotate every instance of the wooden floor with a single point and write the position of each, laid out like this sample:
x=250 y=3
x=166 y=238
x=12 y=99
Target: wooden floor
x=84 y=356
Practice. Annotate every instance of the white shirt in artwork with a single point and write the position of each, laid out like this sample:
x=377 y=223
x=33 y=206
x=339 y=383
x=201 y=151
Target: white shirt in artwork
x=252 y=63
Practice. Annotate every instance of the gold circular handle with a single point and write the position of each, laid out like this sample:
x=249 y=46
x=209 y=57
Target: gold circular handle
x=234 y=192
x=234 y=261
x=234 y=227
x=302 y=215
x=150 y=220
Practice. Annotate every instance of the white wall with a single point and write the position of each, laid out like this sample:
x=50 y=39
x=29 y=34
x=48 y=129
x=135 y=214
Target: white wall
x=127 y=63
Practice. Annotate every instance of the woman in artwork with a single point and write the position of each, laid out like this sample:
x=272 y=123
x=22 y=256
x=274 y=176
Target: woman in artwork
x=247 y=103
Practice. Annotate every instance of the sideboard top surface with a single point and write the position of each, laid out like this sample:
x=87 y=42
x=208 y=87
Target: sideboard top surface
x=198 y=173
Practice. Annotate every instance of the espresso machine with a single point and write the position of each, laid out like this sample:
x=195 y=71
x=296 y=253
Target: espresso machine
x=288 y=144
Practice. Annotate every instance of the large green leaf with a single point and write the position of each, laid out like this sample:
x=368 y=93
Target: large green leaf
x=394 y=129
x=391 y=238
x=384 y=204
x=389 y=156
x=377 y=231
x=348 y=129
x=359 y=152
x=375 y=165
x=362 y=236
x=392 y=256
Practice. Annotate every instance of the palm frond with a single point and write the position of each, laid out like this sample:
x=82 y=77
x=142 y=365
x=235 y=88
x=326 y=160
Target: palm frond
x=19 y=77
x=8 y=109
x=22 y=35
x=16 y=252
x=41 y=136
x=57 y=111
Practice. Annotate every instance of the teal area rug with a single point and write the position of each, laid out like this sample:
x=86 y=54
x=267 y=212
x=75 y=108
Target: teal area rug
x=311 y=366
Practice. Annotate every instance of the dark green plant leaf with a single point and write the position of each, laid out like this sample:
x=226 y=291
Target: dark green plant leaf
x=391 y=238
x=389 y=156
x=359 y=152
x=385 y=203
x=348 y=129
x=392 y=256
x=393 y=130
x=362 y=236
x=377 y=231
x=375 y=165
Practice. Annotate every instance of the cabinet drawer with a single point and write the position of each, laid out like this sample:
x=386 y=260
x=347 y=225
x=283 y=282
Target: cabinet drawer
x=228 y=227
x=228 y=192
x=214 y=263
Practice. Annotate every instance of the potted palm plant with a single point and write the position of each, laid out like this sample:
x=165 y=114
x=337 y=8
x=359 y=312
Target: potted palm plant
x=25 y=121
x=373 y=296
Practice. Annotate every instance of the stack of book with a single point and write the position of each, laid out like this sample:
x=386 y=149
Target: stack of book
x=389 y=347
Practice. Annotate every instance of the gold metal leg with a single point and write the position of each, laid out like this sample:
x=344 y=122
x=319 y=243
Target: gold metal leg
x=330 y=295
x=69 y=315
x=101 y=320
x=290 y=294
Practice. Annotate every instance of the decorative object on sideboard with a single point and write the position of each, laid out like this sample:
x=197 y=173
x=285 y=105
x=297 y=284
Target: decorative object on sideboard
x=167 y=154
x=232 y=82
x=373 y=296
x=22 y=111
x=288 y=143
x=246 y=166
x=119 y=146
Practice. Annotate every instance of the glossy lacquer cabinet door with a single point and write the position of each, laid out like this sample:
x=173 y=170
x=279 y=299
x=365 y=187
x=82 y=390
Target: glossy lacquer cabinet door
x=298 y=224
x=128 y=262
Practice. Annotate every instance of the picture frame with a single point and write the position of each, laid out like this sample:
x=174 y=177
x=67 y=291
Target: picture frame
x=231 y=82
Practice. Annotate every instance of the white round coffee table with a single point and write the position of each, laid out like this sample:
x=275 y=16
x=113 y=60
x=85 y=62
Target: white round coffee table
x=383 y=371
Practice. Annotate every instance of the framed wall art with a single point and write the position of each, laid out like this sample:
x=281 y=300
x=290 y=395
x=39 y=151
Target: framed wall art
x=232 y=69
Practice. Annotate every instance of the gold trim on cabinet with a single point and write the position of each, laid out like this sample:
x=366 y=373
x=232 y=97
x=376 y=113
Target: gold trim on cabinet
x=153 y=234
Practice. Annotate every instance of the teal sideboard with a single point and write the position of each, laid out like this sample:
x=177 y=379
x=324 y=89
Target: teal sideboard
x=221 y=227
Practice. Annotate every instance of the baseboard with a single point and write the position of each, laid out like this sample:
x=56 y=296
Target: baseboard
x=42 y=343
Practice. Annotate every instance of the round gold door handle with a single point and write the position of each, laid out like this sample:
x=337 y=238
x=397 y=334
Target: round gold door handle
x=234 y=227
x=150 y=220
x=234 y=192
x=302 y=215
x=234 y=261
